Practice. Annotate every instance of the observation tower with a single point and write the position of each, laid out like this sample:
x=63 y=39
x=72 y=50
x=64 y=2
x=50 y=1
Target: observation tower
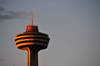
x=32 y=41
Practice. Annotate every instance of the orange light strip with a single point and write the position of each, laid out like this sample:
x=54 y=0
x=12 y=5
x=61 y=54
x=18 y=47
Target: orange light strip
x=29 y=36
x=30 y=40
x=30 y=43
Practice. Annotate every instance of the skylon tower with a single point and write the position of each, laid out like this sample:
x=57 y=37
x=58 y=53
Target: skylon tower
x=32 y=41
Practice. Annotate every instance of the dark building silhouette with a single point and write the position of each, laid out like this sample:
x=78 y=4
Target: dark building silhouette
x=32 y=41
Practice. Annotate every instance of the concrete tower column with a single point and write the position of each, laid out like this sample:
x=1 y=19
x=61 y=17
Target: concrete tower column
x=32 y=56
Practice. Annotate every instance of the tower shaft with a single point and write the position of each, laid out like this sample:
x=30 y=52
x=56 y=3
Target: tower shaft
x=32 y=57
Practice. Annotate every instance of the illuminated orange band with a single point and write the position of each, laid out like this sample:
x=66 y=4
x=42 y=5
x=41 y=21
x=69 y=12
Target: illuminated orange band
x=30 y=43
x=29 y=36
x=30 y=40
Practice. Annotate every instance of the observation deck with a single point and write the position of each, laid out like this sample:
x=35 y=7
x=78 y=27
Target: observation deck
x=32 y=38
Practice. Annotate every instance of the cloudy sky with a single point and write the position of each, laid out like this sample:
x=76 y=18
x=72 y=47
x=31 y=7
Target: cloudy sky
x=72 y=25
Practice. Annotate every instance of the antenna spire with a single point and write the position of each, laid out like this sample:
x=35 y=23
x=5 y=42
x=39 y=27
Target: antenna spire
x=31 y=17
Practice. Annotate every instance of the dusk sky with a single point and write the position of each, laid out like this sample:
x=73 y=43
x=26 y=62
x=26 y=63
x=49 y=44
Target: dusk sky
x=72 y=25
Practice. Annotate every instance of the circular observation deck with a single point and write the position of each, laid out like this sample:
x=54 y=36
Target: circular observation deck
x=32 y=39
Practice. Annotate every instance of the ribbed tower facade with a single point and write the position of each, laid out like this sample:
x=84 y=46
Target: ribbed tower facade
x=32 y=41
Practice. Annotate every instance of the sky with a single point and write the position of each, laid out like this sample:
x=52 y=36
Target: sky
x=72 y=25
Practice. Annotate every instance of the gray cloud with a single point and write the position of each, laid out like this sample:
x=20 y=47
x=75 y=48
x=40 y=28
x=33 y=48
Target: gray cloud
x=2 y=59
x=2 y=9
x=5 y=15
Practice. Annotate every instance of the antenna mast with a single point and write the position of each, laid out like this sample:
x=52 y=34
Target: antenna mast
x=31 y=17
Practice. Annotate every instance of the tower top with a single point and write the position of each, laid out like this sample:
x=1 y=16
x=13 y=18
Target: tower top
x=32 y=28
x=31 y=17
